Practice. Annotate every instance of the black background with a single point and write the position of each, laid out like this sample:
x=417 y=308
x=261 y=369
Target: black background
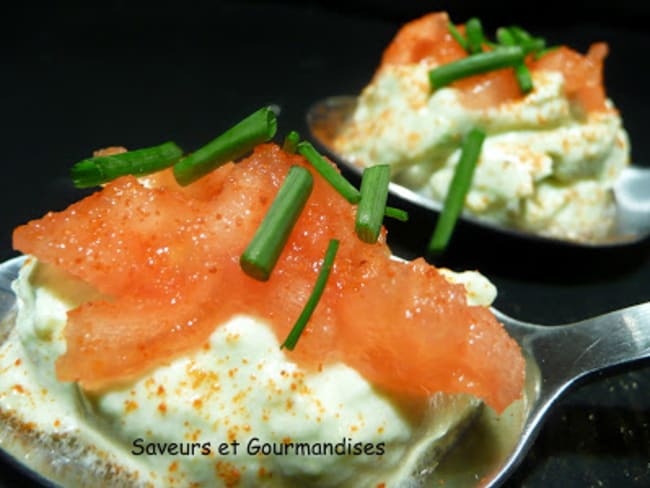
x=77 y=77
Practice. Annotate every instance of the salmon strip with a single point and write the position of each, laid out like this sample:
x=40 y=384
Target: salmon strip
x=168 y=259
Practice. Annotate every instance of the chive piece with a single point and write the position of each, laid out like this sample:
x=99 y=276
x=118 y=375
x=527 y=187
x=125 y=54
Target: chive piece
x=328 y=261
x=534 y=45
x=263 y=251
x=329 y=172
x=521 y=35
x=475 y=37
x=524 y=79
x=291 y=142
x=516 y=36
x=234 y=143
x=101 y=169
x=397 y=214
x=374 y=193
x=524 y=39
x=457 y=192
x=501 y=57
x=505 y=37
x=522 y=73
x=455 y=33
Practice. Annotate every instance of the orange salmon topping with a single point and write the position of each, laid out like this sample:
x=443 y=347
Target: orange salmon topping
x=583 y=75
x=427 y=39
x=168 y=258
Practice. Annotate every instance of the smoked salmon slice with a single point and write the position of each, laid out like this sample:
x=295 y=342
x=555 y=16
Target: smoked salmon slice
x=167 y=259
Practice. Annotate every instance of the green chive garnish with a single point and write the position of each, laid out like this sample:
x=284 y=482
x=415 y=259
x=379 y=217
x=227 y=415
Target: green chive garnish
x=291 y=142
x=374 y=193
x=292 y=339
x=259 y=258
x=397 y=214
x=457 y=35
x=524 y=78
x=521 y=35
x=458 y=189
x=237 y=141
x=523 y=38
x=501 y=57
x=475 y=37
x=505 y=37
x=533 y=45
x=329 y=172
x=522 y=73
x=101 y=169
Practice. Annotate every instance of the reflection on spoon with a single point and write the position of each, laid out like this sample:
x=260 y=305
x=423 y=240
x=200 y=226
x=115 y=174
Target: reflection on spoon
x=632 y=221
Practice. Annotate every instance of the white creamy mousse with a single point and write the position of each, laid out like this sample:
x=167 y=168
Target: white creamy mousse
x=237 y=412
x=545 y=166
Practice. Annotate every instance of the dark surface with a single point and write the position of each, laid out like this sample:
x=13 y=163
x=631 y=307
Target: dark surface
x=80 y=78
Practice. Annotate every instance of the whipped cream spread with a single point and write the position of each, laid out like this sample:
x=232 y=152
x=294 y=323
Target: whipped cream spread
x=545 y=166
x=238 y=412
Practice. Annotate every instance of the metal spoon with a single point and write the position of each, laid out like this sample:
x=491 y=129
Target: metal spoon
x=326 y=117
x=556 y=358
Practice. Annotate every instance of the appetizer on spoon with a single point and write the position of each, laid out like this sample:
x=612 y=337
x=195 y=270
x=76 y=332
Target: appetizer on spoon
x=240 y=323
x=554 y=147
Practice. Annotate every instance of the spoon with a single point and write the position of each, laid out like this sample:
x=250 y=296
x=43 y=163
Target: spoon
x=556 y=357
x=326 y=117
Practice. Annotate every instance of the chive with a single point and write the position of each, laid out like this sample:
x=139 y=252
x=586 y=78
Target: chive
x=524 y=79
x=290 y=142
x=329 y=172
x=533 y=45
x=234 y=143
x=101 y=169
x=374 y=193
x=457 y=35
x=263 y=251
x=521 y=35
x=505 y=37
x=457 y=192
x=522 y=73
x=397 y=214
x=524 y=39
x=516 y=36
x=501 y=57
x=328 y=261
x=475 y=37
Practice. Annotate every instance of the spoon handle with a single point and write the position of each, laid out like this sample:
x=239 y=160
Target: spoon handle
x=568 y=352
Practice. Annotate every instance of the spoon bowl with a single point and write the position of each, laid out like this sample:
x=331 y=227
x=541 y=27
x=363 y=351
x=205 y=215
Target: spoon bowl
x=632 y=222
